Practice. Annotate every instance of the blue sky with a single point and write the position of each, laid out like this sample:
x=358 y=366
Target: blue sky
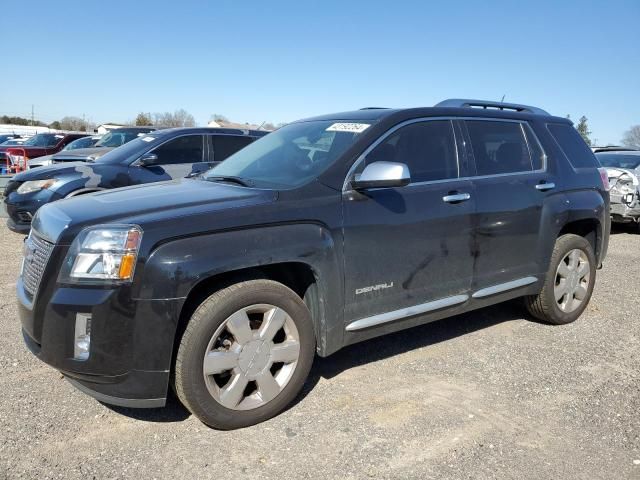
x=283 y=60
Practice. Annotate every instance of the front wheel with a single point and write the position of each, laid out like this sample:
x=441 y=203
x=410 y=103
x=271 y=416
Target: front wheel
x=568 y=284
x=245 y=354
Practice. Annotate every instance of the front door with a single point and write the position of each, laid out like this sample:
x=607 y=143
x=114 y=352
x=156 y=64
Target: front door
x=177 y=158
x=409 y=246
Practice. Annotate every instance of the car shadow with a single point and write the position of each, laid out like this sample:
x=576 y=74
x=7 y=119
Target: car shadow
x=365 y=352
x=630 y=228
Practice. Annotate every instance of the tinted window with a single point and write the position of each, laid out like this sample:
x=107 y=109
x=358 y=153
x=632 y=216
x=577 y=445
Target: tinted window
x=498 y=147
x=427 y=148
x=185 y=149
x=225 y=146
x=572 y=145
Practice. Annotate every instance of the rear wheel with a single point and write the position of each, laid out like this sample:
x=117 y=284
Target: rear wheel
x=245 y=354
x=568 y=284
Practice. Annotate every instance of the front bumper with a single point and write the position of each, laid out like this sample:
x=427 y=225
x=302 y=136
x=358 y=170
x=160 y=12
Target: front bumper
x=131 y=341
x=22 y=207
x=623 y=213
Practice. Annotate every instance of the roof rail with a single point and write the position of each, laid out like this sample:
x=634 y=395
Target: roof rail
x=374 y=108
x=468 y=103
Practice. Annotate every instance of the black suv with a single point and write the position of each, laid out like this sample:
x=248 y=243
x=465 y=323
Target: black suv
x=326 y=232
x=152 y=157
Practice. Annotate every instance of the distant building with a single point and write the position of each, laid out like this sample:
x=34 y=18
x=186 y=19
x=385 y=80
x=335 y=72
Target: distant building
x=105 y=127
x=24 y=130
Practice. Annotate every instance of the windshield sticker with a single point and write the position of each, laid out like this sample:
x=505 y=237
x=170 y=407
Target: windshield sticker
x=348 y=127
x=148 y=139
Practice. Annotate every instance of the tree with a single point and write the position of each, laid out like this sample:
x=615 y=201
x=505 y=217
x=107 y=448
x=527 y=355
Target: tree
x=632 y=137
x=583 y=129
x=179 y=118
x=218 y=117
x=72 y=123
x=143 y=120
x=55 y=125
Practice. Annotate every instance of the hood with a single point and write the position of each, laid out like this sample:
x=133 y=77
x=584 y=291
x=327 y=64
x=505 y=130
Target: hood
x=161 y=205
x=81 y=153
x=38 y=161
x=50 y=171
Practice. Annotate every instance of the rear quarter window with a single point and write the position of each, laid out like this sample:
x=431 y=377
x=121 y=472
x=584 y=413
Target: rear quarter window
x=572 y=145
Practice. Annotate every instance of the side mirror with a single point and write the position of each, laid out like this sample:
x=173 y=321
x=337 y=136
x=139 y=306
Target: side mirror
x=147 y=159
x=381 y=175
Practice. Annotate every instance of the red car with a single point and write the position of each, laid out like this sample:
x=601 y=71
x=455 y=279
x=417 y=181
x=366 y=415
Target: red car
x=12 y=156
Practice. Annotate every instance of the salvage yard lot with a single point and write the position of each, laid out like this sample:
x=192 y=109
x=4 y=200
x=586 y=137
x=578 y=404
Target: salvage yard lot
x=483 y=395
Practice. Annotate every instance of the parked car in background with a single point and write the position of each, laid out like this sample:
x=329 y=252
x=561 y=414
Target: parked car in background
x=81 y=143
x=623 y=170
x=14 y=141
x=36 y=146
x=8 y=136
x=324 y=233
x=110 y=140
x=154 y=157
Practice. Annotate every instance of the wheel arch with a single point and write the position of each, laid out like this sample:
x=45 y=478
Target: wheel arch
x=302 y=257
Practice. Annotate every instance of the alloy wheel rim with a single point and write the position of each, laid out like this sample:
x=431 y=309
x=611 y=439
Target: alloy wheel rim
x=572 y=280
x=251 y=357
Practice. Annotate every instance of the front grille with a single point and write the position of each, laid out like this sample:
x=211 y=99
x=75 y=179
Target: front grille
x=36 y=255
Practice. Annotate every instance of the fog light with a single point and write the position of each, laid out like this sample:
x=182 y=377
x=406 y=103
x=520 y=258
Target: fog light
x=82 y=337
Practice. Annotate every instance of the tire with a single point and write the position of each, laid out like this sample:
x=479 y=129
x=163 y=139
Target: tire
x=226 y=346
x=545 y=305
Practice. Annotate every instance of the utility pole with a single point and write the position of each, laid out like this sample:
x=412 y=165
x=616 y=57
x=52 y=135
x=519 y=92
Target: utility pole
x=32 y=114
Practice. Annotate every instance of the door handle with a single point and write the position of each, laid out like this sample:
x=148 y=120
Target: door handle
x=543 y=187
x=456 y=198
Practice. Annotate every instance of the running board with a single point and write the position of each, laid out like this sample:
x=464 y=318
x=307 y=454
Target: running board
x=406 y=312
x=503 y=287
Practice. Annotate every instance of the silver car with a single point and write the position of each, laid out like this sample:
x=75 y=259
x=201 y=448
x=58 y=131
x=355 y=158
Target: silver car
x=623 y=170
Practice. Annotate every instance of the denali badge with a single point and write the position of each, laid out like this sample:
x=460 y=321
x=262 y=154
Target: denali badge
x=372 y=288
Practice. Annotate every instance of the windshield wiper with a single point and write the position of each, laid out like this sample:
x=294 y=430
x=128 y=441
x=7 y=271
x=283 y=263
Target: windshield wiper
x=231 y=179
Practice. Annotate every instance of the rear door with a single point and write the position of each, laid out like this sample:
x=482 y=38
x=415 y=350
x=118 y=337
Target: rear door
x=510 y=183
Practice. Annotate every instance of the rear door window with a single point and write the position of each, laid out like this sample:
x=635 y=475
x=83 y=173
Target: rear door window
x=226 y=145
x=427 y=148
x=498 y=147
x=572 y=145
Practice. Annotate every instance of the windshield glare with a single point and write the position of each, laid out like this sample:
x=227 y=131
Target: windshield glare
x=291 y=156
x=618 y=161
x=43 y=140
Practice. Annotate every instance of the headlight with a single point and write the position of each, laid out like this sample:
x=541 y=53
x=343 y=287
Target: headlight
x=103 y=253
x=36 y=185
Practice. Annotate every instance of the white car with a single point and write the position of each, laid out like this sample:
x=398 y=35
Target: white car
x=623 y=170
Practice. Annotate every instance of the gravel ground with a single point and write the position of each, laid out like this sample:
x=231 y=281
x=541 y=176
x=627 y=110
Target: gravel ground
x=490 y=394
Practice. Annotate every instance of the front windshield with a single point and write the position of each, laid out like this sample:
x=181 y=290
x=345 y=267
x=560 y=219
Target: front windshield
x=44 y=140
x=617 y=160
x=130 y=150
x=291 y=156
x=115 y=138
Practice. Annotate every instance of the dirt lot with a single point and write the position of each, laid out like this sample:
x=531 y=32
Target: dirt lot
x=490 y=394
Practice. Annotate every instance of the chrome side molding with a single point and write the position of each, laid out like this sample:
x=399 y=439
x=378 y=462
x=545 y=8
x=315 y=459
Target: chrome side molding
x=503 y=287
x=406 y=312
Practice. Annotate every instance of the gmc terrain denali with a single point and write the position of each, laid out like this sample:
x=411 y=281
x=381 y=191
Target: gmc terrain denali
x=321 y=234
